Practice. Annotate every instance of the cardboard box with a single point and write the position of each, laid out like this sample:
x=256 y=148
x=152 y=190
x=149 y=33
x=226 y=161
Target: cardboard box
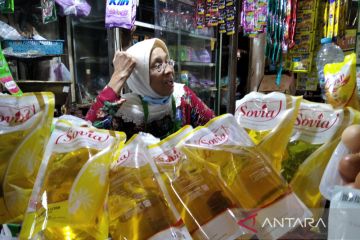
x=287 y=84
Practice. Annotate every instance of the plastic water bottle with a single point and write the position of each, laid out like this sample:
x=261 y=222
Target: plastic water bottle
x=328 y=53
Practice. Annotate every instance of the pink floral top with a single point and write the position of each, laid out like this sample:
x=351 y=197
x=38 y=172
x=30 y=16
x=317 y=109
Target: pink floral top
x=192 y=111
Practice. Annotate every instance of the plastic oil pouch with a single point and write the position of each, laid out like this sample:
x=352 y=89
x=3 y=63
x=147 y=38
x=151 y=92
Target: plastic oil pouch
x=269 y=120
x=69 y=196
x=344 y=214
x=6 y=78
x=139 y=204
x=246 y=173
x=315 y=146
x=203 y=203
x=340 y=83
x=24 y=131
x=120 y=13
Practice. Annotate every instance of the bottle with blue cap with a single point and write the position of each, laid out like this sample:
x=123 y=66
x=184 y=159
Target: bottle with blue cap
x=328 y=53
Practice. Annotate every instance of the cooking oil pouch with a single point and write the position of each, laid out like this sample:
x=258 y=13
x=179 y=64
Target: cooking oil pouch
x=199 y=197
x=315 y=125
x=269 y=120
x=246 y=173
x=340 y=83
x=24 y=131
x=306 y=180
x=139 y=204
x=69 y=196
x=76 y=121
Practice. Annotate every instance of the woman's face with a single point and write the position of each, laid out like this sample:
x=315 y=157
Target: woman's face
x=161 y=73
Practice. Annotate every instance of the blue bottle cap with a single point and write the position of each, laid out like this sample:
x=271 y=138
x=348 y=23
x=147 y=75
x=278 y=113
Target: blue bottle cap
x=325 y=40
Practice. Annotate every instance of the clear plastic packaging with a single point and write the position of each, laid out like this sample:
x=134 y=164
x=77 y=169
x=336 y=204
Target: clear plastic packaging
x=328 y=53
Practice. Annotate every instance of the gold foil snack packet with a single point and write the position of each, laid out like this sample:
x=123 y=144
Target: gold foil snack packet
x=139 y=206
x=25 y=124
x=69 y=195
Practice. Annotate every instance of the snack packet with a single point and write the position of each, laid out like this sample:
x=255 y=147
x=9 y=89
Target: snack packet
x=120 y=13
x=269 y=119
x=69 y=195
x=316 y=156
x=74 y=7
x=139 y=204
x=340 y=83
x=6 y=78
x=24 y=131
x=245 y=172
x=204 y=205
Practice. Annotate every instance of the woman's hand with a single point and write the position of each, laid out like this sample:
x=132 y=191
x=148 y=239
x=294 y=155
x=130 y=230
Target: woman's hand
x=124 y=64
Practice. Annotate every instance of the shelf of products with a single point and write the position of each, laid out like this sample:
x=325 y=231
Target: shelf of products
x=198 y=64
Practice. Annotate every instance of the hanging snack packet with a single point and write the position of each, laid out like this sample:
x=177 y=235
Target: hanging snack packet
x=48 y=11
x=6 y=78
x=206 y=208
x=74 y=7
x=314 y=146
x=340 y=83
x=7 y=6
x=245 y=172
x=120 y=13
x=269 y=120
x=70 y=191
x=24 y=131
x=139 y=205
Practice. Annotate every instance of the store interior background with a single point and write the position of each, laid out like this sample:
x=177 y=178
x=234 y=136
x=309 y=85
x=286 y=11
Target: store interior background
x=218 y=67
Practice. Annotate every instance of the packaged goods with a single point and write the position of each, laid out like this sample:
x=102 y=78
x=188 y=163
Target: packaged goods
x=269 y=120
x=205 y=206
x=315 y=125
x=24 y=131
x=120 y=13
x=343 y=167
x=326 y=134
x=69 y=195
x=6 y=78
x=340 y=83
x=328 y=53
x=245 y=172
x=139 y=205
x=344 y=214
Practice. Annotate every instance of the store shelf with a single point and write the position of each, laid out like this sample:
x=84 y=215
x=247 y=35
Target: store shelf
x=198 y=64
x=204 y=89
x=33 y=57
x=181 y=32
x=188 y=2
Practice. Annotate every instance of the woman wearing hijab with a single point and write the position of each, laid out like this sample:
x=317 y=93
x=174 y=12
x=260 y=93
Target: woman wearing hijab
x=156 y=104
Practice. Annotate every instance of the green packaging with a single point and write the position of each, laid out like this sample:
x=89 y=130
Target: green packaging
x=6 y=78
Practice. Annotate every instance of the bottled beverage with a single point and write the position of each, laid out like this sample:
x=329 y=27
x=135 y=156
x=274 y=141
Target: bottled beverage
x=328 y=53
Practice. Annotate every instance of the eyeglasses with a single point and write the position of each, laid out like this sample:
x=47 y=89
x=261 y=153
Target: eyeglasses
x=160 y=67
